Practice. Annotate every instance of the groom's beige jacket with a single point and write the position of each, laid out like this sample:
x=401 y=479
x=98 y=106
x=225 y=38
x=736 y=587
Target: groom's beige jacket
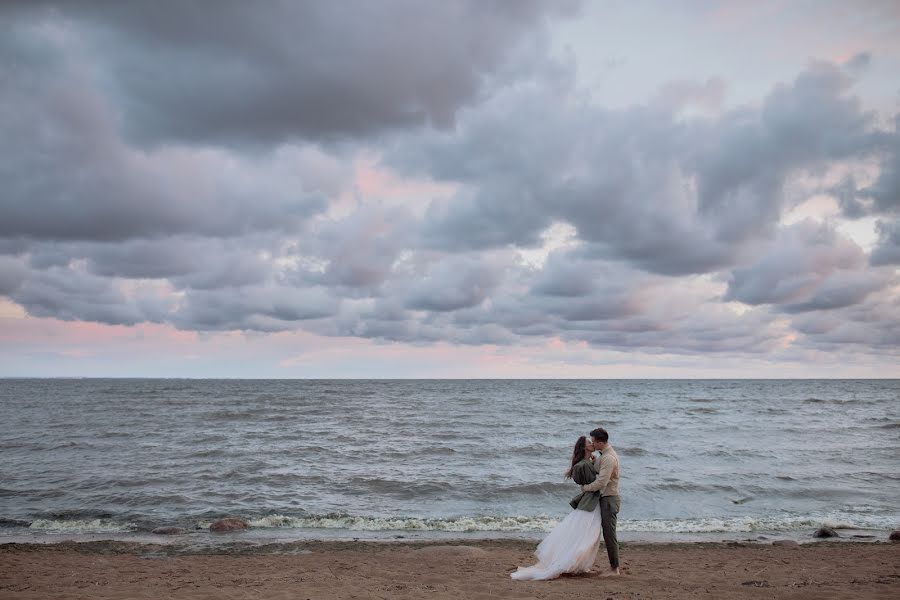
x=607 y=482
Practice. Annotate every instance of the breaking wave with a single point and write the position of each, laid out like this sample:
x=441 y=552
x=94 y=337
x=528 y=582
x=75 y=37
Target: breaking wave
x=487 y=524
x=502 y=524
x=81 y=526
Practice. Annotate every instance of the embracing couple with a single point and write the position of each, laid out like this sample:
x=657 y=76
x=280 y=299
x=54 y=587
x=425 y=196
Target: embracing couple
x=572 y=545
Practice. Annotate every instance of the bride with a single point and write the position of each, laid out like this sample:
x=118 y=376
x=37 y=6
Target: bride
x=572 y=545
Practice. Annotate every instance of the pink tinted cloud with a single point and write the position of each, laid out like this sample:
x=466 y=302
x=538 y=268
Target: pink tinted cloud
x=75 y=337
x=734 y=15
x=32 y=346
x=376 y=182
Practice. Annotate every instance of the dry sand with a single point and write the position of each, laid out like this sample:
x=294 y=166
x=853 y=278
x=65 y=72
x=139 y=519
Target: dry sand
x=347 y=570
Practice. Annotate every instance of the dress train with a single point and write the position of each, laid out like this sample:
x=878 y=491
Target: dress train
x=570 y=547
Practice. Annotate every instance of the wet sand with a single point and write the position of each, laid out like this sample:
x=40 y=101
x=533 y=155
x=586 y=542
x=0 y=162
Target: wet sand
x=331 y=570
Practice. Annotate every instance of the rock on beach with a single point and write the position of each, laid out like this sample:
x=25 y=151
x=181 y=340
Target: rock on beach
x=223 y=525
x=169 y=530
x=825 y=532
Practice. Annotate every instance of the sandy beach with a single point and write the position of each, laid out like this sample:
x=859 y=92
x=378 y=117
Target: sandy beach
x=346 y=570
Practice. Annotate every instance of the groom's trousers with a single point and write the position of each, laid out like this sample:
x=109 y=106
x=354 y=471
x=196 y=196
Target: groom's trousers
x=609 y=511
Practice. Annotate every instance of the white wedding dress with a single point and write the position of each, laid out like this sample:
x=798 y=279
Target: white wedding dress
x=570 y=547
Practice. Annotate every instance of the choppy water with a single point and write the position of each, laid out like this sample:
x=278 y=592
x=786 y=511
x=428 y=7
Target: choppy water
x=112 y=455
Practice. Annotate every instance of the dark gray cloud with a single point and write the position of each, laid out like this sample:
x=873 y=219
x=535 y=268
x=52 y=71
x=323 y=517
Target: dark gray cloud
x=200 y=263
x=454 y=284
x=871 y=326
x=71 y=294
x=186 y=263
x=255 y=308
x=671 y=194
x=577 y=288
x=882 y=197
x=82 y=83
x=359 y=251
x=68 y=175
x=887 y=252
x=274 y=71
x=842 y=289
x=12 y=274
x=808 y=266
x=626 y=309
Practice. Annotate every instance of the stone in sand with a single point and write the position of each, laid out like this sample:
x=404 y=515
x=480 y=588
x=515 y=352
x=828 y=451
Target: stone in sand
x=785 y=543
x=895 y=536
x=825 y=532
x=168 y=530
x=229 y=525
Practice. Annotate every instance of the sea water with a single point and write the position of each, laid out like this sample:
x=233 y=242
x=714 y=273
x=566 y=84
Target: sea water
x=335 y=458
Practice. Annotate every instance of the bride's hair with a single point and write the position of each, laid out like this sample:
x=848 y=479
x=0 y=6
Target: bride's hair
x=577 y=454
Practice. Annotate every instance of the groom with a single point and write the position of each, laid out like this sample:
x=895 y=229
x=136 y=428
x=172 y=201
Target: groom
x=607 y=483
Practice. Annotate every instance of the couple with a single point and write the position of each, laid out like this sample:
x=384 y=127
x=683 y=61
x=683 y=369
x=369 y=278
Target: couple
x=572 y=545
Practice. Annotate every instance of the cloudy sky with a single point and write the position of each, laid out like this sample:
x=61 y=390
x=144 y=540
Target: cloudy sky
x=450 y=189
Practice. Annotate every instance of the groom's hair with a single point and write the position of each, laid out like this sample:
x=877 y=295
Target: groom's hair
x=600 y=434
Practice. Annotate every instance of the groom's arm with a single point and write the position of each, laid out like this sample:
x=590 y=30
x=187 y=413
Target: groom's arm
x=606 y=471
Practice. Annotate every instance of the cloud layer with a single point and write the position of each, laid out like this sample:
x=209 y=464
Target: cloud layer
x=201 y=170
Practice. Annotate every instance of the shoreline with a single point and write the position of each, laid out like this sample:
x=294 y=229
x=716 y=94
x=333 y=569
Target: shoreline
x=285 y=535
x=237 y=546
x=443 y=570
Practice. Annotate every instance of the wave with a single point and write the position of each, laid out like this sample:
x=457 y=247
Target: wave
x=540 y=523
x=361 y=523
x=634 y=451
x=486 y=524
x=75 y=514
x=207 y=452
x=13 y=522
x=426 y=451
x=702 y=410
x=748 y=524
x=815 y=400
x=81 y=526
x=692 y=487
x=524 y=489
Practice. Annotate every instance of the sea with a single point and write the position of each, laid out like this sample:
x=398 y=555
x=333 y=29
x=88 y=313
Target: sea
x=387 y=459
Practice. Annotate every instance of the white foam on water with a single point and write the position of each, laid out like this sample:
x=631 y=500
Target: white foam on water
x=503 y=524
x=753 y=524
x=544 y=523
x=81 y=526
x=461 y=524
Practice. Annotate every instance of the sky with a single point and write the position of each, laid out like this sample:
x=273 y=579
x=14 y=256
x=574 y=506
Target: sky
x=460 y=189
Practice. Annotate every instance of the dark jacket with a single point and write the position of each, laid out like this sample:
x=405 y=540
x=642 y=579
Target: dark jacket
x=584 y=473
